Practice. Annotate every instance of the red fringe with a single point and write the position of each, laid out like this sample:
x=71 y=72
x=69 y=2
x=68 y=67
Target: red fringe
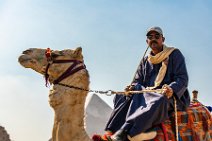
x=96 y=138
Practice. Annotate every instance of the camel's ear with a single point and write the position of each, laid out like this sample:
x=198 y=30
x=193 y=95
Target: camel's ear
x=78 y=51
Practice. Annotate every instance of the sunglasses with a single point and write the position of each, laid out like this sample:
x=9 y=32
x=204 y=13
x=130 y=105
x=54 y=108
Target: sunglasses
x=156 y=36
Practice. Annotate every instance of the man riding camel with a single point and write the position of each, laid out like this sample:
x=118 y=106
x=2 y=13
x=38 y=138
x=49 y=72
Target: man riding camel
x=164 y=68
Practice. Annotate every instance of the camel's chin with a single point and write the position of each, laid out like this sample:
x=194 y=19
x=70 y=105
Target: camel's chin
x=25 y=64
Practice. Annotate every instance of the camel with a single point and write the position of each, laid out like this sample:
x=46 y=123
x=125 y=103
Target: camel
x=70 y=88
x=68 y=103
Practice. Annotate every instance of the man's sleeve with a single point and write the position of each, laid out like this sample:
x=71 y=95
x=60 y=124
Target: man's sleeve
x=180 y=75
x=138 y=78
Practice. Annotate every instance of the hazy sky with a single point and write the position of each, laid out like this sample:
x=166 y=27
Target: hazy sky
x=112 y=35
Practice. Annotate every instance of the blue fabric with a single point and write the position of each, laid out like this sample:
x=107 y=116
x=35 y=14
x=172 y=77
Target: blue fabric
x=179 y=137
x=139 y=112
x=209 y=108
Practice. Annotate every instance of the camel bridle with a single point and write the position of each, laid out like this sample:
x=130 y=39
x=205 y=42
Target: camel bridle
x=75 y=67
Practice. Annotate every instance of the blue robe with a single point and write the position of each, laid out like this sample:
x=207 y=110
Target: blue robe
x=139 y=112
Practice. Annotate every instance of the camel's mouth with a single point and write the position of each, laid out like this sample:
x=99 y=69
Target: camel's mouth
x=25 y=60
x=25 y=57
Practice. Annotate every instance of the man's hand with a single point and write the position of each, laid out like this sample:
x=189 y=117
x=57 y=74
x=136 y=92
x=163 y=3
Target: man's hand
x=129 y=88
x=167 y=91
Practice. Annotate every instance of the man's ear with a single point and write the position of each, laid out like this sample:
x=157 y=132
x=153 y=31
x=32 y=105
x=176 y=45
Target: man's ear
x=146 y=41
x=78 y=51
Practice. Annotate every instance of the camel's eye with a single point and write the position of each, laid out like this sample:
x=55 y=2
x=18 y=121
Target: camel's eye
x=56 y=54
x=27 y=51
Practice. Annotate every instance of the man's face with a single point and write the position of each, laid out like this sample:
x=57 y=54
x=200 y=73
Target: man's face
x=155 y=41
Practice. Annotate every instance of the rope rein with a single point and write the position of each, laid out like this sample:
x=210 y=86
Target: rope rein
x=111 y=92
x=176 y=122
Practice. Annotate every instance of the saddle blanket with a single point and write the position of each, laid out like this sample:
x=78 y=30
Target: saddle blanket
x=193 y=125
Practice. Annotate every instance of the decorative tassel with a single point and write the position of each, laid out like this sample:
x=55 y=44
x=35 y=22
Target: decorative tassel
x=96 y=138
x=48 y=52
x=164 y=132
x=105 y=137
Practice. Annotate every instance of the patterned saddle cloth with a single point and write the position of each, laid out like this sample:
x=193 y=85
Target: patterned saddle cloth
x=194 y=125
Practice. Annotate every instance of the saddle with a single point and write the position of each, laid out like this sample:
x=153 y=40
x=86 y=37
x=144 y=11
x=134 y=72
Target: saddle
x=194 y=124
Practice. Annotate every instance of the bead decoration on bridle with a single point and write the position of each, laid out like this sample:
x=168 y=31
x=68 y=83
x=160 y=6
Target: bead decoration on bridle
x=70 y=71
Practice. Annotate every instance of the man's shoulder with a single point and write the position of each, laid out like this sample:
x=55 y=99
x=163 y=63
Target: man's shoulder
x=176 y=55
x=176 y=52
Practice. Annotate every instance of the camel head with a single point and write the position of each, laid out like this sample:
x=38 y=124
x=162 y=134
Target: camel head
x=45 y=61
x=36 y=59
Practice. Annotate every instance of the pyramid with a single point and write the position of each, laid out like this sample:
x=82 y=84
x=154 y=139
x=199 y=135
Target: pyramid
x=97 y=115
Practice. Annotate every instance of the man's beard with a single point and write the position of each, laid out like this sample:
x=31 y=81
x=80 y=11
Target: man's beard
x=153 y=41
x=154 y=45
